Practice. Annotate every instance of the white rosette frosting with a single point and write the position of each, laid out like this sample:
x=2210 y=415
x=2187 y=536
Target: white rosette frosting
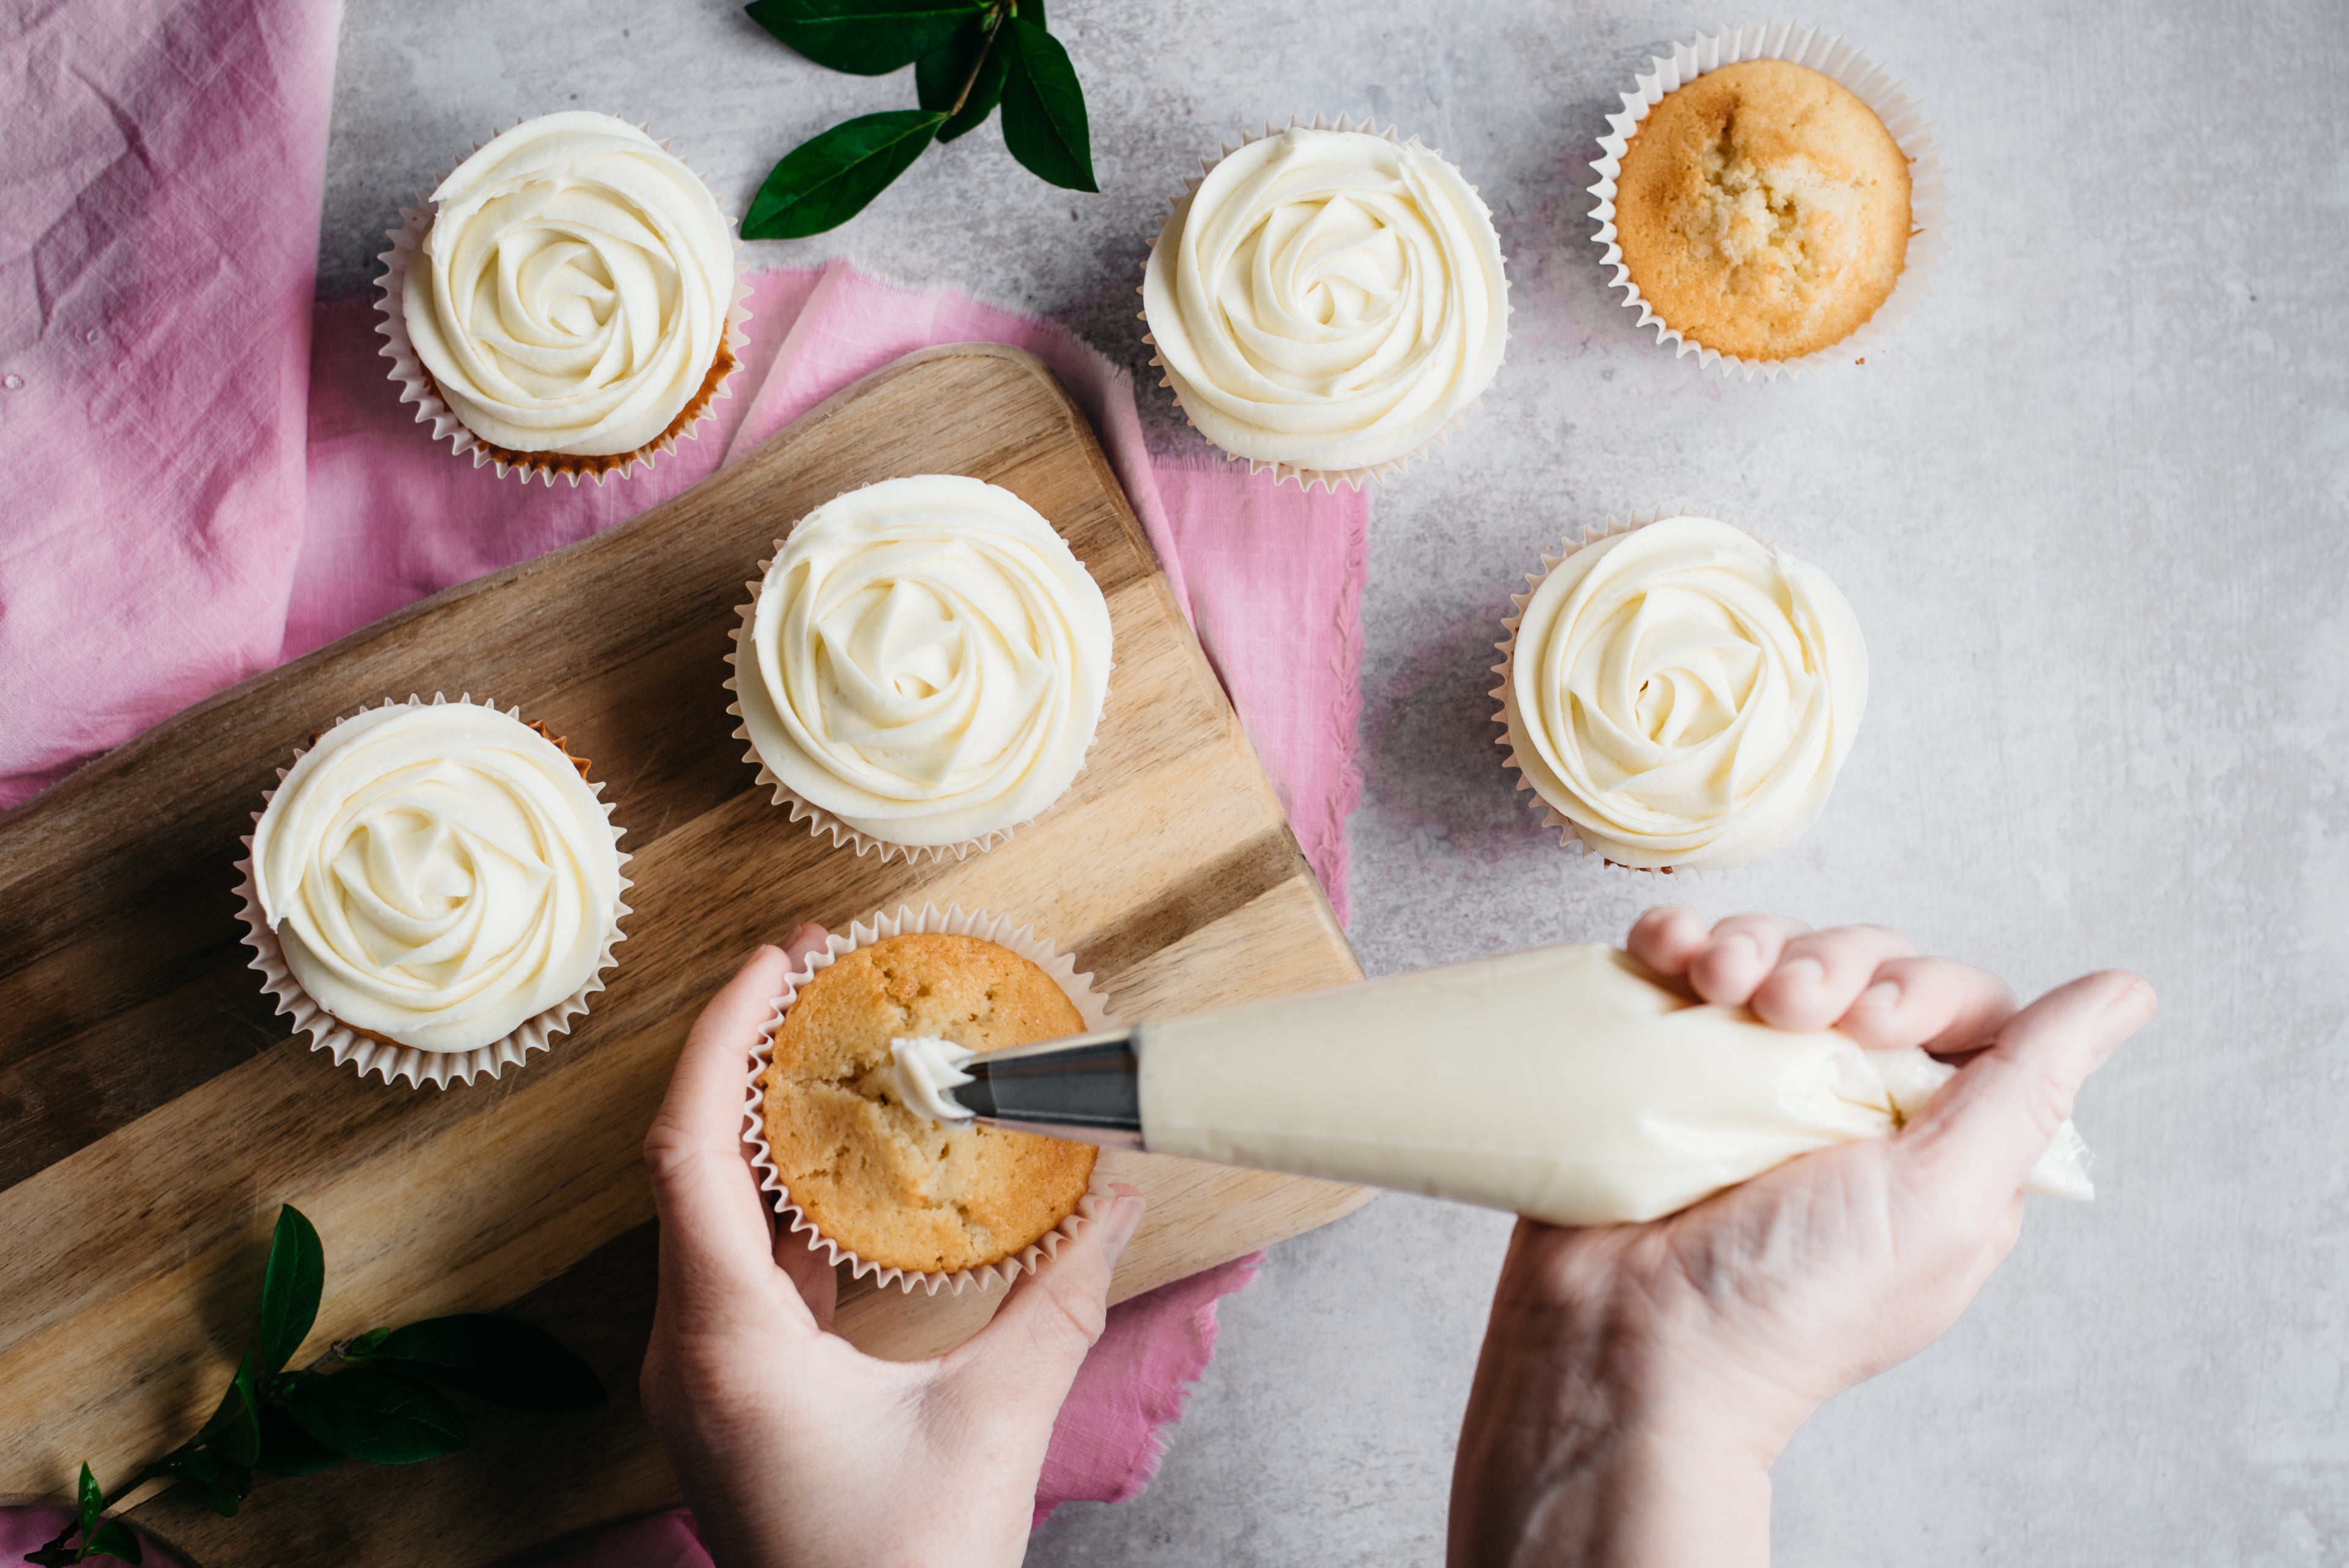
x=922 y=667
x=1327 y=300
x=1091 y=1005
x=1873 y=85
x=567 y=304
x=432 y=890
x=1678 y=693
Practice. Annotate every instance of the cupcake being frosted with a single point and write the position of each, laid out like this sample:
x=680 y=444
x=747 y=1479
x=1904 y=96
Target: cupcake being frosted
x=924 y=664
x=438 y=875
x=1683 y=694
x=568 y=300
x=1328 y=301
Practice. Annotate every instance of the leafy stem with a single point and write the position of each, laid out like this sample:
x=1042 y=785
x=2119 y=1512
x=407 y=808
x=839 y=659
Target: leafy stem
x=383 y=1406
x=969 y=56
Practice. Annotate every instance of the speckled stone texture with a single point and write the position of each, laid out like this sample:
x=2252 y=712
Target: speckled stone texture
x=2089 y=508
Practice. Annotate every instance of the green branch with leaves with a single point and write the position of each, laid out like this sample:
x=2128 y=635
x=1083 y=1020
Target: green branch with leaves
x=383 y=1408
x=968 y=56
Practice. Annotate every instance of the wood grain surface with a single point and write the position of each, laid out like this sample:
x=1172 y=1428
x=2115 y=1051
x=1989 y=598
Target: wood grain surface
x=153 y=1114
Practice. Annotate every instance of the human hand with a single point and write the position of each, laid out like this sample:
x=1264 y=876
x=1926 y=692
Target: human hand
x=1637 y=1381
x=794 y=1447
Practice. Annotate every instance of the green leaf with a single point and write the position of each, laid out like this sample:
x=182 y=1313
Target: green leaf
x=376 y=1415
x=1044 y=108
x=234 y=1429
x=90 y=1502
x=506 y=1362
x=823 y=182
x=287 y=1449
x=864 y=37
x=114 y=1540
x=290 y=1290
x=219 y=1481
x=939 y=74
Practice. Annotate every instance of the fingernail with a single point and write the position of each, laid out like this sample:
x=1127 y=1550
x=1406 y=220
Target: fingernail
x=2133 y=997
x=1883 y=993
x=1808 y=971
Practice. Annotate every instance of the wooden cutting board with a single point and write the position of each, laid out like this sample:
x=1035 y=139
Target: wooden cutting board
x=153 y=1114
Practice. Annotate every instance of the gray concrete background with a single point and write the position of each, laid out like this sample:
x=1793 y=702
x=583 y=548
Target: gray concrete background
x=2090 y=510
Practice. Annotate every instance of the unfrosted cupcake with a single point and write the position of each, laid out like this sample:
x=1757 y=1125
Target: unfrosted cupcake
x=877 y=1179
x=434 y=879
x=923 y=667
x=563 y=307
x=1327 y=302
x=1763 y=211
x=1679 y=695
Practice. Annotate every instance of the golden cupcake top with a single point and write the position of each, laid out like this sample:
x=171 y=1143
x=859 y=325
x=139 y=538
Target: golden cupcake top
x=1763 y=211
x=877 y=1178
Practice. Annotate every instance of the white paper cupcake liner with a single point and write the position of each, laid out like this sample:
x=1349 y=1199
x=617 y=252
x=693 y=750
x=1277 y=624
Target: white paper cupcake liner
x=821 y=823
x=343 y=1044
x=952 y=921
x=1306 y=478
x=1874 y=86
x=1568 y=832
x=417 y=385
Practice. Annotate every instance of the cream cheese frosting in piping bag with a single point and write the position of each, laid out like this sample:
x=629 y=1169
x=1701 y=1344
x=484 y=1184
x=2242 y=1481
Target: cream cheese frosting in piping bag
x=1329 y=300
x=437 y=874
x=926 y=661
x=1681 y=694
x=572 y=293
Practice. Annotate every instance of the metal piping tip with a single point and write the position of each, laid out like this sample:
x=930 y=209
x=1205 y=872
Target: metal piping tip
x=1083 y=1088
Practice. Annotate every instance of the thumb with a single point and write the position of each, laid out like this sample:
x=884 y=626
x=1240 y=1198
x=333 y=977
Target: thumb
x=1024 y=1361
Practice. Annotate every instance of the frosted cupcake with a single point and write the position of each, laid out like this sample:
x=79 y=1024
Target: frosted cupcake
x=434 y=881
x=1326 y=302
x=564 y=307
x=1679 y=695
x=923 y=666
x=881 y=1180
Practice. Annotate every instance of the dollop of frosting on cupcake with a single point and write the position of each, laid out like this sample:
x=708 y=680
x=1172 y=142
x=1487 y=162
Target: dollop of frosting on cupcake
x=1684 y=695
x=571 y=295
x=926 y=661
x=437 y=874
x=1327 y=299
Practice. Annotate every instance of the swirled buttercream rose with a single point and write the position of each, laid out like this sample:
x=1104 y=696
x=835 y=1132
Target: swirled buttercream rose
x=1683 y=695
x=926 y=661
x=571 y=295
x=1328 y=300
x=437 y=876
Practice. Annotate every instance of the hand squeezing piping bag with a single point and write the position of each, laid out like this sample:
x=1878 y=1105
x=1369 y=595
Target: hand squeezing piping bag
x=1566 y=1083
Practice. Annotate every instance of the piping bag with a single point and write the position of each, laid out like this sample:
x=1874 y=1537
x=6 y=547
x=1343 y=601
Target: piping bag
x=1566 y=1083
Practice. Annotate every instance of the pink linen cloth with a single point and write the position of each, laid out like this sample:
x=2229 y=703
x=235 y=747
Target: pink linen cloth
x=212 y=477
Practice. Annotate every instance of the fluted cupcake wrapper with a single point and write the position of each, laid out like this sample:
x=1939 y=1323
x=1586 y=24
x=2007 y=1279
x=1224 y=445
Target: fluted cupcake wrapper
x=1569 y=832
x=1873 y=85
x=1306 y=478
x=417 y=387
x=821 y=823
x=954 y=921
x=346 y=1044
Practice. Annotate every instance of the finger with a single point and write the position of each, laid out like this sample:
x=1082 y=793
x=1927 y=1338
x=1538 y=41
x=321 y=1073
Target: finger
x=1028 y=1356
x=1667 y=938
x=1739 y=955
x=805 y=941
x=1943 y=1005
x=1989 y=1124
x=715 y=1229
x=1820 y=973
